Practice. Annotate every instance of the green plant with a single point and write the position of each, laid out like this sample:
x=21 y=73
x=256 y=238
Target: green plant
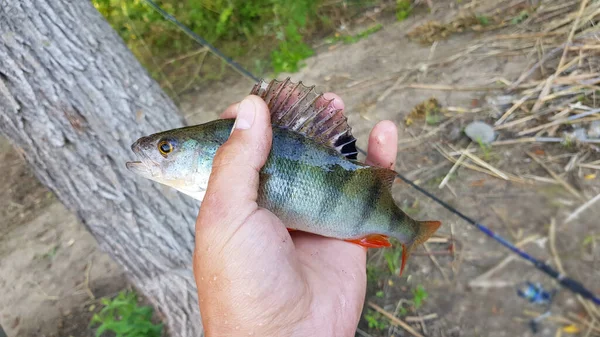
x=402 y=311
x=234 y=26
x=124 y=317
x=522 y=16
x=291 y=49
x=51 y=253
x=486 y=149
x=419 y=295
x=372 y=274
x=392 y=257
x=483 y=20
x=375 y=320
x=403 y=9
x=349 y=39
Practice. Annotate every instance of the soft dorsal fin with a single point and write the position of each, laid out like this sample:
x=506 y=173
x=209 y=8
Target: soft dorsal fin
x=387 y=176
x=299 y=108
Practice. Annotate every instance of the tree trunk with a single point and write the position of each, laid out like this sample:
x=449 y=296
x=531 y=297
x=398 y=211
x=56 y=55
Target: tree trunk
x=72 y=101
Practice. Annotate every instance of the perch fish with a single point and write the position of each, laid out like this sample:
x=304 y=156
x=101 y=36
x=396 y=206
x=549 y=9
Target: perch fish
x=311 y=179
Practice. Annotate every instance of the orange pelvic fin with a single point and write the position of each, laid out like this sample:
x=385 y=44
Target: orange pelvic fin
x=405 y=255
x=426 y=230
x=372 y=241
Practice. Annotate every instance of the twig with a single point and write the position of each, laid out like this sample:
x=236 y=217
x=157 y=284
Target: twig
x=490 y=272
x=513 y=109
x=88 y=270
x=48 y=297
x=557 y=319
x=452 y=264
x=546 y=140
x=184 y=56
x=416 y=319
x=552 y=239
x=526 y=35
x=502 y=263
x=393 y=86
x=454 y=168
x=571 y=34
x=582 y=321
x=469 y=166
x=436 y=263
x=438 y=240
x=492 y=284
x=515 y=122
x=545 y=90
x=395 y=320
x=484 y=164
x=582 y=208
x=565 y=184
x=447 y=87
x=505 y=223
x=590 y=328
x=428 y=134
x=594 y=167
x=431 y=52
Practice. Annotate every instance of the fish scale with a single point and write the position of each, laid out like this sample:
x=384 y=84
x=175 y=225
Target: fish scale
x=310 y=180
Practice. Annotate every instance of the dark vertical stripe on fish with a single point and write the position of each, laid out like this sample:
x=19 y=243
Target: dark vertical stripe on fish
x=369 y=206
x=294 y=168
x=337 y=188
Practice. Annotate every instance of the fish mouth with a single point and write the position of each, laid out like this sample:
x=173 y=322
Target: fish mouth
x=139 y=168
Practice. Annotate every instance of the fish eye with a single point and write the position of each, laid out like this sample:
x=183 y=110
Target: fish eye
x=165 y=147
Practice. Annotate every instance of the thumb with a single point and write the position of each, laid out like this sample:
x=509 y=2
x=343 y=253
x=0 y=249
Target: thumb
x=232 y=189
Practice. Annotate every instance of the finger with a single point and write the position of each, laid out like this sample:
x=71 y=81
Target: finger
x=338 y=103
x=230 y=112
x=233 y=184
x=383 y=145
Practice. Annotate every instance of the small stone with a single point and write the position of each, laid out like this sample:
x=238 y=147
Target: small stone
x=578 y=134
x=594 y=130
x=480 y=132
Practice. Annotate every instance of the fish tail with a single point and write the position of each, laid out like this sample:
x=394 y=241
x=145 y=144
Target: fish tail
x=425 y=231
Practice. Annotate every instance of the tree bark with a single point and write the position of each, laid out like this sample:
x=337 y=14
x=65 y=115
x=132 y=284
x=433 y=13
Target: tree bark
x=72 y=101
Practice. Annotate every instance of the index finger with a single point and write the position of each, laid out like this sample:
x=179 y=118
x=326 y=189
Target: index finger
x=383 y=145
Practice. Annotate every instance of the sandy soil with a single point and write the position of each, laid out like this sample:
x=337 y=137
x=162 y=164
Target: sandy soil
x=46 y=255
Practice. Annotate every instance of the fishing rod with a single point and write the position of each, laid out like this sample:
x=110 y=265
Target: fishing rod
x=562 y=279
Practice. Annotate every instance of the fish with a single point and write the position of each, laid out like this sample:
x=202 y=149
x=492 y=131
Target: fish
x=311 y=180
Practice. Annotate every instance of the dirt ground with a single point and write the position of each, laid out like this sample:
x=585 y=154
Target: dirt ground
x=51 y=270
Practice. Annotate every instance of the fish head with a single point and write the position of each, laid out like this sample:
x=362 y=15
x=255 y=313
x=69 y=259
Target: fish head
x=179 y=158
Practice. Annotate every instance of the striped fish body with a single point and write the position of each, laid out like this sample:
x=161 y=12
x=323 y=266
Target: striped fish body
x=314 y=189
x=311 y=179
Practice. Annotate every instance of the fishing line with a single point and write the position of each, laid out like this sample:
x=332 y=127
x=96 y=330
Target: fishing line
x=202 y=41
x=562 y=279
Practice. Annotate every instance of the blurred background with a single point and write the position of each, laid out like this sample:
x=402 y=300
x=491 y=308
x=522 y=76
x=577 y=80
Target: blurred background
x=497 y=107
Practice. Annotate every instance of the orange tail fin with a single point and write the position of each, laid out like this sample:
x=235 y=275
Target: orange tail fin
x=426 y=230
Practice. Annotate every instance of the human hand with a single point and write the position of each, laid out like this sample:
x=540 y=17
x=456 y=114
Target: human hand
x=253 y=277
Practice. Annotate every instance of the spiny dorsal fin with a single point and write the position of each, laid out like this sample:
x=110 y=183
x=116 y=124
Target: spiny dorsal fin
x=387 y=176
x=297 y=107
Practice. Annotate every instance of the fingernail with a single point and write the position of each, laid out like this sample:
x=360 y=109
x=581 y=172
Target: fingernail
x=245 y=115
x=336 y=103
